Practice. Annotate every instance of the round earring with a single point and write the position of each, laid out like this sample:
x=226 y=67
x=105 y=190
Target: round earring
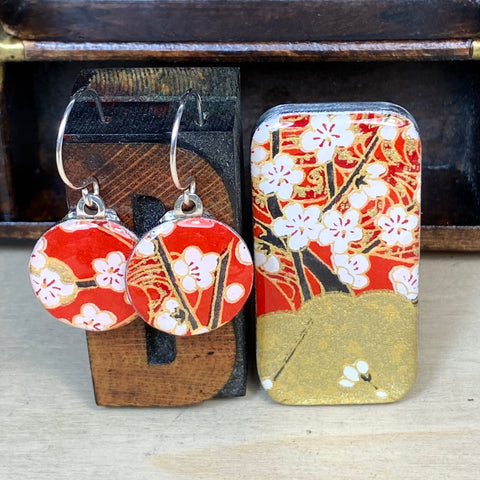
x=191 y=273
x=77 y=268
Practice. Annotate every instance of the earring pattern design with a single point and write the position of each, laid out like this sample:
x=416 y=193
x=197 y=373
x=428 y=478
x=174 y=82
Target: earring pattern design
x=77 y=268
x=77 y=271
x=190 y=274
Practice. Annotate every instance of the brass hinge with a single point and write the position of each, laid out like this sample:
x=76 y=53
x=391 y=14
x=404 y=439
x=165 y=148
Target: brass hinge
x=475 y=53
x=11 y=48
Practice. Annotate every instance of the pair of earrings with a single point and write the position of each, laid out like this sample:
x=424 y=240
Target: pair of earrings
x=188 y=275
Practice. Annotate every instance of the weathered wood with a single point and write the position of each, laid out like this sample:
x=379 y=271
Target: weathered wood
x=442 y=96
x=7 y=207
x=122 y=376
x=130 y=156
x=454 y=49
x=23 y=230
x=452 y=239
x=239 y=20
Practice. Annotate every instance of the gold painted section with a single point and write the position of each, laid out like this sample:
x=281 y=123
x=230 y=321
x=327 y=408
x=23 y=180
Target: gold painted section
x=476 y=49
x=303 y=355
x=11 y=48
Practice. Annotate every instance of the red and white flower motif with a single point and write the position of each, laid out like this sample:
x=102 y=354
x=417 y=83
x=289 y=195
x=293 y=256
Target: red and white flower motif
x=243 y=254
x=405 y=281
x=328 y=133
x=389 y=131
x=195 y=269
x=92 y=318
x=280 y=177
x=145 y=247
x=300 y=225
x=262 y=133
x=340 y=230
x=49 y=288
x=351 y=269
x=397 y=226
x=168 y=323
x=371 y=186
x=38 y=258
x=258 y=155
x=234 y=292
x=412 y=132
x=111 y=271
x=269 y=263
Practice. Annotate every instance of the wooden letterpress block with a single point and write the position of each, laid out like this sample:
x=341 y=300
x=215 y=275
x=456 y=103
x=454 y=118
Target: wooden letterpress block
x=136 y=365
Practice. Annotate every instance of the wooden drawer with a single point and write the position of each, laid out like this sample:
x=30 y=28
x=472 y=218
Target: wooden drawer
x=306 y=51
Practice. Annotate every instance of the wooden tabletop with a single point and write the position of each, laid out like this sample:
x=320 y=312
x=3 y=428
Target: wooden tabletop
x=50 y=427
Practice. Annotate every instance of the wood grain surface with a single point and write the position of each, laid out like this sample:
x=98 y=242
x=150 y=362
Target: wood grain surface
x=129 y=156
x=239 y=20
x=120 y=371
x=305 y=51
x=50 y=426
x=7 y=205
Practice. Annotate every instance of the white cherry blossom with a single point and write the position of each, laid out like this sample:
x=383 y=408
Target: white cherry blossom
x=351 y=269
x=340 y=230
x=280 y=177
x=397 y=226
x=92 y=318
x=167 y=322
x=49 y=287
x=300 y=225
x=353 y=373
x=38 y=258
x=405 y=281
x=234 y=292
x=328 y=133
x=243 y=254
x=267 y=384
x=111 y=271
x=145 y=247
x=388 y=132
x=262 y=132
x=269 y=263
x=371 y=186
x=258 y=155
x=195 y=269
x=412 y=132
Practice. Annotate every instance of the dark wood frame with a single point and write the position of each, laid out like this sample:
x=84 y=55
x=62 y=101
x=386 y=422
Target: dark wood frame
x=242 y=32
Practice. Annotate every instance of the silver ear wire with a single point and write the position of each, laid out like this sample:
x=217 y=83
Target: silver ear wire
x=86 y=196
x=189 y=187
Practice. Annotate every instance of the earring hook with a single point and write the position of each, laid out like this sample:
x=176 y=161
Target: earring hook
x=189 y=187
x=84 y=91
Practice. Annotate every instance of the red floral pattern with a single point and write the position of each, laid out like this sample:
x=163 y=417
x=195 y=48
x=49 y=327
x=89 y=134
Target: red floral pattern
x=351 y=218
x=189 y=276
x=77 y=271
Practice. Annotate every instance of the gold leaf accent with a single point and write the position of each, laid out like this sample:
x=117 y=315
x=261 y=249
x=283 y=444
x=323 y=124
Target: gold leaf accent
x=304 y=352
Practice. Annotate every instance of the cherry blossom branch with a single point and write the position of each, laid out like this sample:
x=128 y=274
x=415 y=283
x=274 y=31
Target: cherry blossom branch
x=171 y=278
x=219 y=287
x=354 y=175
